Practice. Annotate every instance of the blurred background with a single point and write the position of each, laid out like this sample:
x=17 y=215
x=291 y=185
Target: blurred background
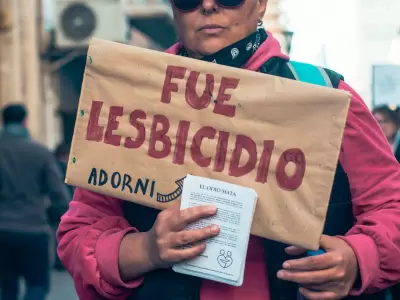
x=43 y=45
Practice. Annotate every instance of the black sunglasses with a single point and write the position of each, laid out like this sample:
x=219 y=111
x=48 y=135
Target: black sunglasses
x=188 y=5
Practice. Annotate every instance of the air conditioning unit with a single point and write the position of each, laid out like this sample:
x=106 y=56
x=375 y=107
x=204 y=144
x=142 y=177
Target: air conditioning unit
x=80 y=20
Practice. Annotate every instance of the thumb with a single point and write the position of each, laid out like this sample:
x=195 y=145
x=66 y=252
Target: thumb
x=327 y=242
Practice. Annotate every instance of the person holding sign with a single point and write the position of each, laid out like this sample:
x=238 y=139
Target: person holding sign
x=119 y=250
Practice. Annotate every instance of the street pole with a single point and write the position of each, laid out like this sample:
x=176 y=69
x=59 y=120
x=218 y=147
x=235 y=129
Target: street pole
x=20 y=76
x=16 y=72
x=7 y=86
x=31 y=67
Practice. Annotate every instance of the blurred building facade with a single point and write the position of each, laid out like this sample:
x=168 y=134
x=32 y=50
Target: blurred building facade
x=20 y=68
x=273 y=23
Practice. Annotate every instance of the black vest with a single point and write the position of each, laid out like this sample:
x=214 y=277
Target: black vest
x=168 y=285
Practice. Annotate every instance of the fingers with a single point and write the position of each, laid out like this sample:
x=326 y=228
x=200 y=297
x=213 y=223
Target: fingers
x=193 y=214
x=172 y=256
x=169 y=234
x=309 y=277
x=192 y=236
x=312 y=263
x=316 y=295
x=293 y=250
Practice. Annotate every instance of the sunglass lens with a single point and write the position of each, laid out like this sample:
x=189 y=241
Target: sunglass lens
x=186 y=5
x=230 y=3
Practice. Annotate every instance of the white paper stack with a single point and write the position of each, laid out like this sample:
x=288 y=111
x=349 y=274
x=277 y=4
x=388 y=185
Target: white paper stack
x=225 y=256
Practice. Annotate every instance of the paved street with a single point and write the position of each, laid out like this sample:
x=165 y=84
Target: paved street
x=62 y=287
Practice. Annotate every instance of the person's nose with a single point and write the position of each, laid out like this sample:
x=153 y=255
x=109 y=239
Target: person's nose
x=209 y=5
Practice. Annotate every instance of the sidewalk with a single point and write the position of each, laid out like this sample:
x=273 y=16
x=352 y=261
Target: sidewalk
x=62 y=287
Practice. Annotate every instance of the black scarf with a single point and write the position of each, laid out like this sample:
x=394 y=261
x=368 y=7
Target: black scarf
x=237 y=54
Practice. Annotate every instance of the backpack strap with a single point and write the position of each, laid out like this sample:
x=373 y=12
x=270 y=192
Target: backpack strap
x=280 y=67
x=310 y=74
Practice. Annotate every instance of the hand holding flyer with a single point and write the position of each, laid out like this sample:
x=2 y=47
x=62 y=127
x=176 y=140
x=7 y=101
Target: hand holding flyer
x=225 y=255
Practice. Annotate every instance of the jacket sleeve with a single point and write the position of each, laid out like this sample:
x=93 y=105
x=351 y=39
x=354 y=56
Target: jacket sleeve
x=374 y=176
x=89 y=237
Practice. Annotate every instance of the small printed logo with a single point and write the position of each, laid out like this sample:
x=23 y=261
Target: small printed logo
x=234 y=52
x=214 y=61
x=249 y=46
x=257 y=42
x=225 y=259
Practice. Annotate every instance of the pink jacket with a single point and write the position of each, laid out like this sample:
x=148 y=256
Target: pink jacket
x=91 y=231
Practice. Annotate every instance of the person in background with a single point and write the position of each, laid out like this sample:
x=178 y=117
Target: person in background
x=116 y=249
x=389 y=121
x=29 y=175
x=62 y=155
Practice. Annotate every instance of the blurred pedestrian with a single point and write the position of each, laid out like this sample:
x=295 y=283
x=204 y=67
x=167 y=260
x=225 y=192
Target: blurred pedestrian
x=29 y=175
x=388 y=118
x=62 y=155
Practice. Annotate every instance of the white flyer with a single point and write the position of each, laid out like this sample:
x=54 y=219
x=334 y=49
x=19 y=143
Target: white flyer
x=225 y=255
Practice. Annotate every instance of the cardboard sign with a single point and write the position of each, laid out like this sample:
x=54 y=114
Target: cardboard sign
x=147 y=119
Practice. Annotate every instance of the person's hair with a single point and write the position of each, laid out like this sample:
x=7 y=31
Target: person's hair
x=62 y=149
x=14 y=113
x=389 y=113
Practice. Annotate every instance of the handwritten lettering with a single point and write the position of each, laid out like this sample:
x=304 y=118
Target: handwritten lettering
x=169 y=86
x=141 y=136
x=195 y=149
x=192 y=98
x=220 y=107
x=222 y=149
x=159 y=136
x=243 y=143
x=94 y=132
x=181 y=139
x=265 y=160
x=113 y=123
x=93 y=177
x=291 y=183
x=122 y=182
x=242 y=158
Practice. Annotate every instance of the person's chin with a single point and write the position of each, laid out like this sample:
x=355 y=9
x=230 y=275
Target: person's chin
x=210 y=46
